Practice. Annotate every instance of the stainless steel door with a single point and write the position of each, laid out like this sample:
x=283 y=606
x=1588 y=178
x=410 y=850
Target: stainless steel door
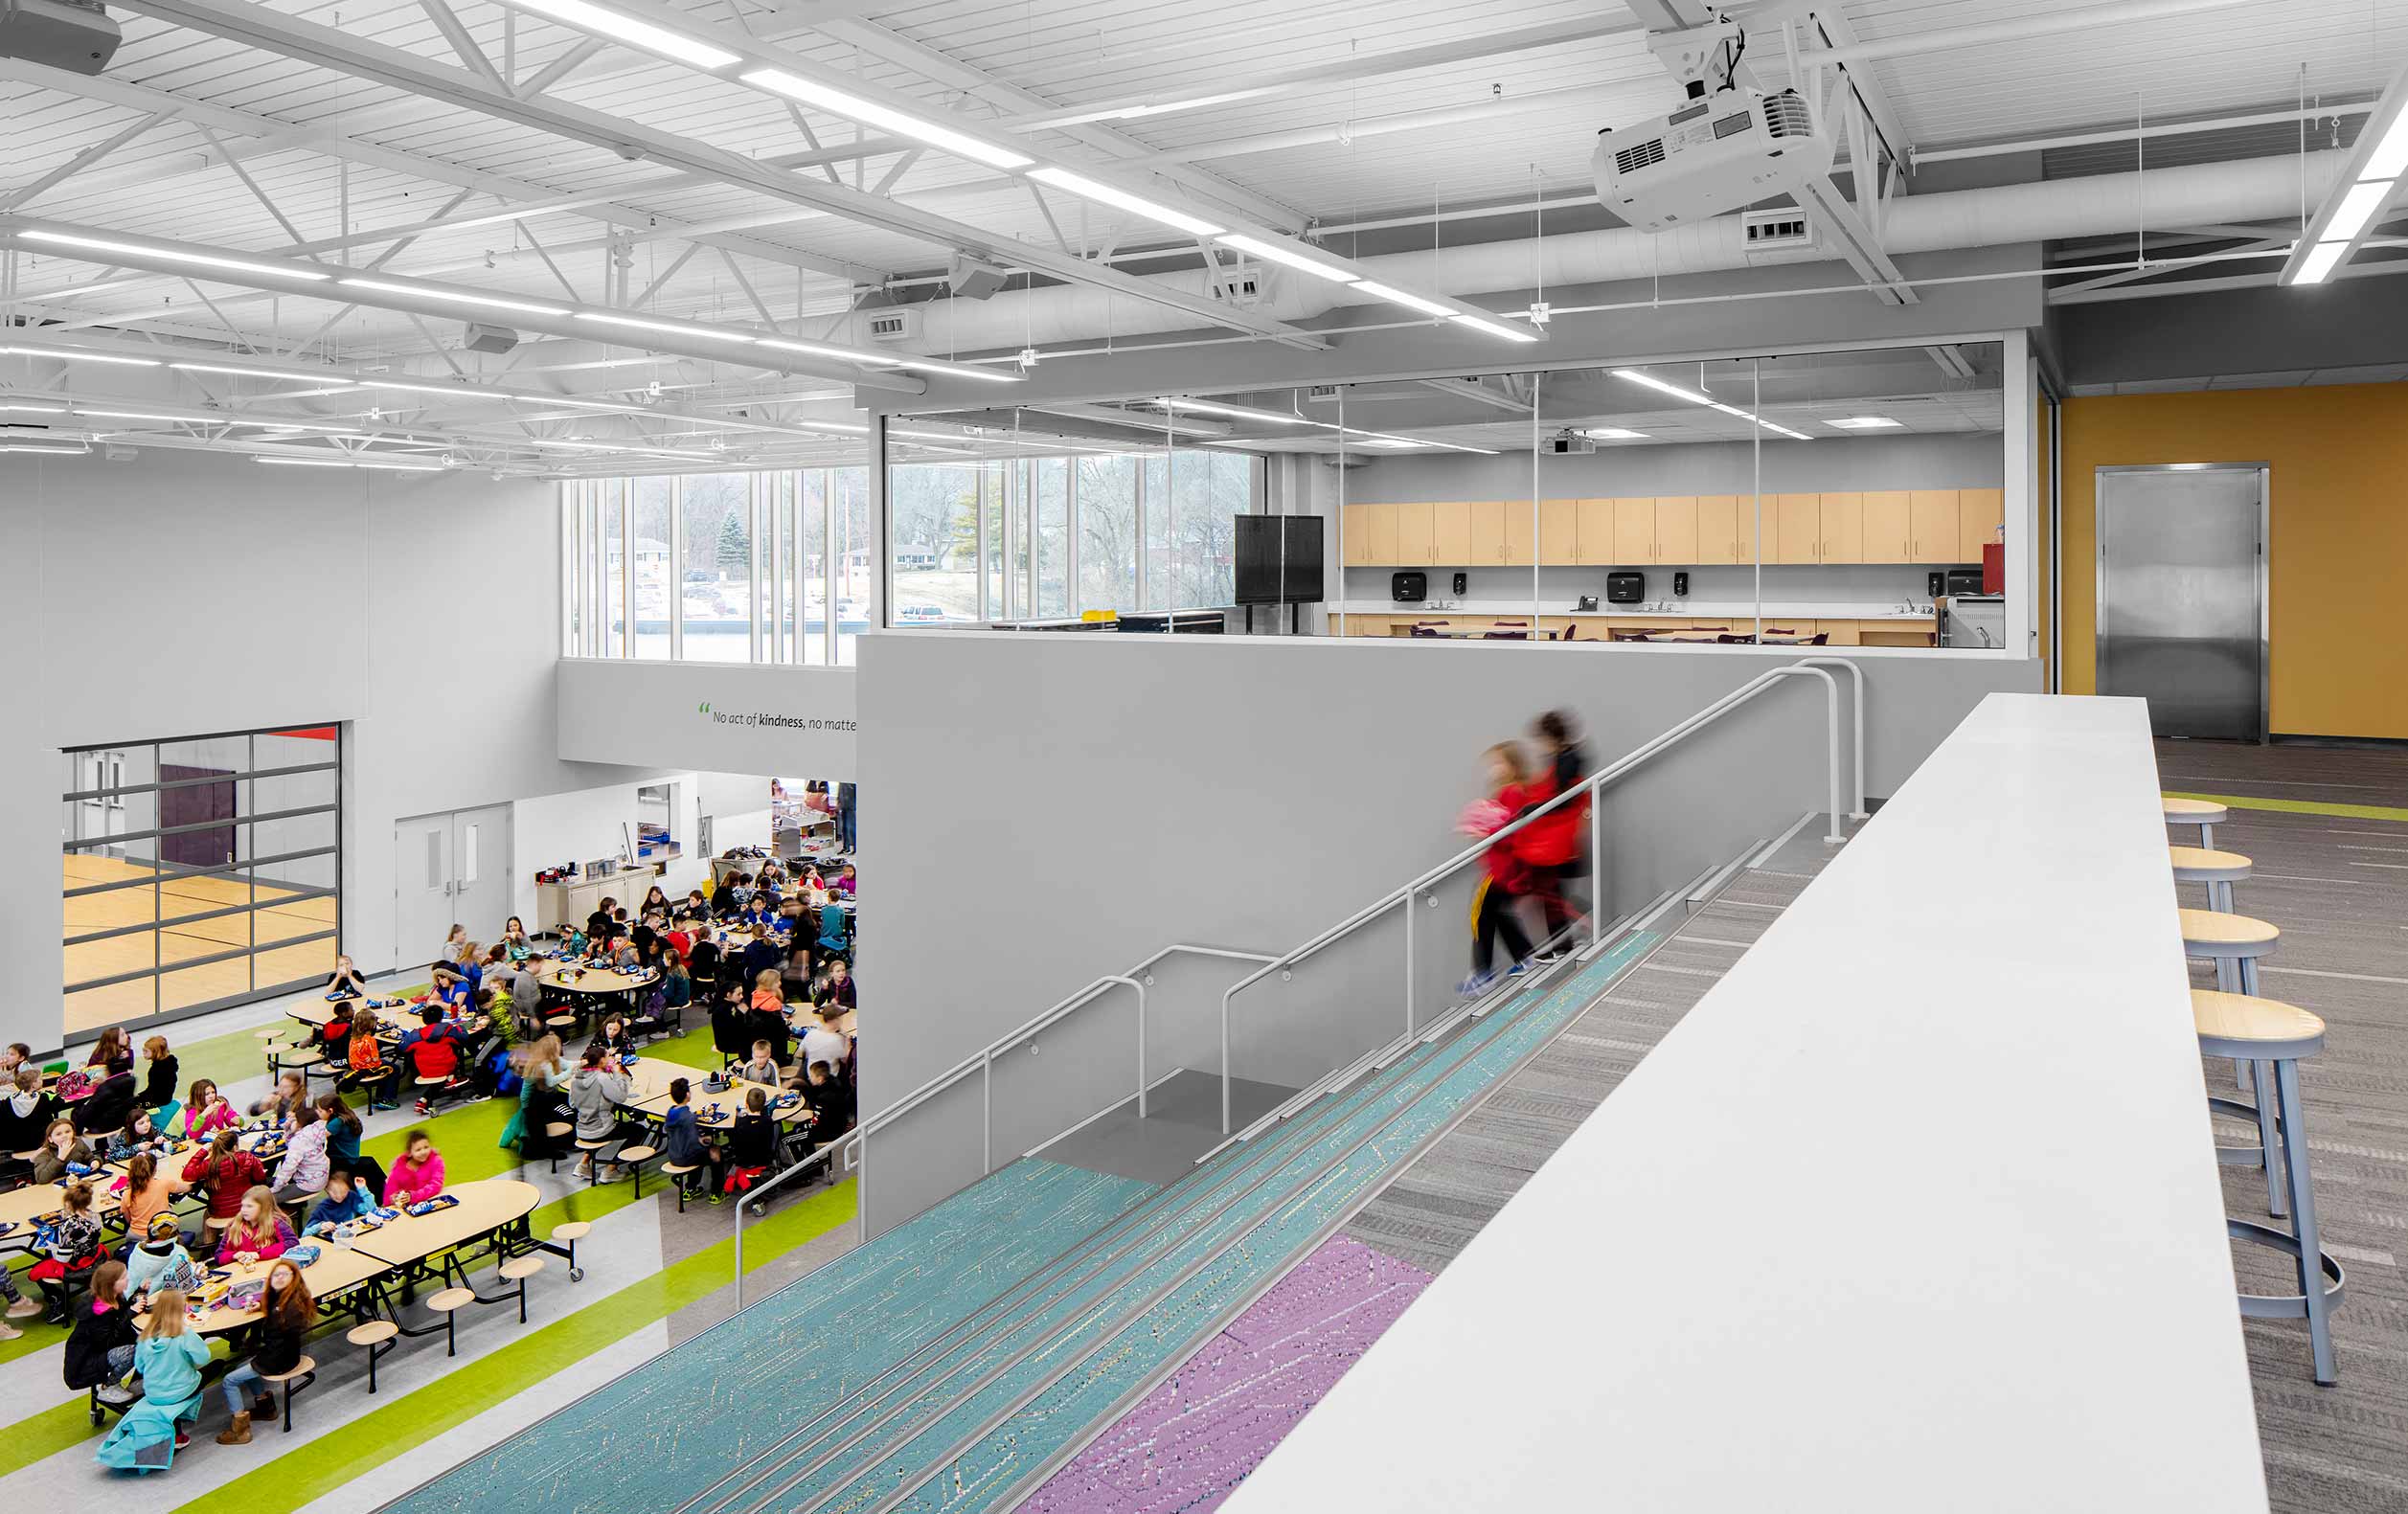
x=2181 y=595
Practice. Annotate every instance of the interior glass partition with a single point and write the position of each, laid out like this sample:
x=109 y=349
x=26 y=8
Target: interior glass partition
x=197 y=873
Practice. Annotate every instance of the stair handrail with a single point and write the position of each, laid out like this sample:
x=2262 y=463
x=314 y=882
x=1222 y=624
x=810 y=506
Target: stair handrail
x=1587 y=788
x=850 y=1145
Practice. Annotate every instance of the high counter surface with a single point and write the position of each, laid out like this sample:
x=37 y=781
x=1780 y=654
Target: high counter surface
x=1915 y=1209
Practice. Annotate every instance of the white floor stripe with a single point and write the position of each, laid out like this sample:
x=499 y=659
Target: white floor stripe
x=623 y=1247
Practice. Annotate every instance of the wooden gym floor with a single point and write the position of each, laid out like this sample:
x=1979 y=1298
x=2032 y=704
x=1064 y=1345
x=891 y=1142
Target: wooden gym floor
x=180 y=938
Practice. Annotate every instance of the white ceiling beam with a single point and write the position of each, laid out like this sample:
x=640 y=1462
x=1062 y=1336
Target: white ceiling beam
x=2045 y=23
x=87 y=158
x=1833 y=23
x=329 y=47
x=2356 y=205
x=463 y=45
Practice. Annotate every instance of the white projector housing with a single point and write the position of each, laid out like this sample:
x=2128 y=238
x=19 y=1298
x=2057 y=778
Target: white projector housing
x=1714 y=154
x=75 y=35
x=1568 y=443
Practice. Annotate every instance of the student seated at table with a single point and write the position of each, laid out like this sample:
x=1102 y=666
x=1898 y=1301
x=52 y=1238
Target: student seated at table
x=611 y=1037
x=303 y=1172
x=514 y=942
x=453 y=989
x=596 y=1091
x=112 y=1047
x=432 y=1050
x=847 y=883
x=763 y=953
x=371 y=1073
x=158 y=1088
x=837 y=988
x=417 y=1173
x=259 y=1231
x=159 y=1262
x=105 y=1109
x=73 y=1250
x=682 y=1144
x=62 y=1148
x=752 y=1144
x=832 y=929
x=343 y=1202
x=169 y=1359
x=335 y=1037
x=151 y=1193
x=100 y=1344
x=289 y=1094
x=20 y=1307
x=703 y=959
x=286 y=1313
x=821 y=1043
x=831 y=1103
x=731 y=1023
x=677 y=987
x=206 y=1112
x=762 y=1067
x=696 y=906
x=26 y=1113
x=17 y=1055
x=597 y=924
x=225 y=1172
x=137 y=1134
x=343 y=1129
x=767 y=1019
x=347 y=979
x=730 y=901
x=655 y=899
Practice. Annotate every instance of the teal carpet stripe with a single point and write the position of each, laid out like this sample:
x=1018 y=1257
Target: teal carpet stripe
x=661 y=1434
x=1274 y=1209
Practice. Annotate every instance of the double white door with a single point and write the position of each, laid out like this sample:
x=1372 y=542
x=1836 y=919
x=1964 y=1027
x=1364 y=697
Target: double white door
x=449 y=870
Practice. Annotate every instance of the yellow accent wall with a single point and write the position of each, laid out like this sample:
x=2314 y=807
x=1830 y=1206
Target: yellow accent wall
x=2337 y=560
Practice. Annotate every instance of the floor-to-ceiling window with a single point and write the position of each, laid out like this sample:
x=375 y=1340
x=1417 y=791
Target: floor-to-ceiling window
x=784 y=565
x=197 y=873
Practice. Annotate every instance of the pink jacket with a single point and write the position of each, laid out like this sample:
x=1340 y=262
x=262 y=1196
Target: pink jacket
x=408 y=1182
x=274 y=1245
x=200 y=1126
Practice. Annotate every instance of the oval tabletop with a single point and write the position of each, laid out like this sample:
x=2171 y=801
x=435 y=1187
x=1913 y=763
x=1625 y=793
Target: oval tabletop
x=648 y=1091
x=571 y=979
x=485 y=1206
x=335 y=1270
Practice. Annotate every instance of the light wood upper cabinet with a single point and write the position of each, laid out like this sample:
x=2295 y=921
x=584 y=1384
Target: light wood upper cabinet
x=1718 y=528
x=1597 y=531
x=1801 y=528
x=1931 y=526
x=1355 y=524
x=1450 y=532
x=1886 y=527
x=1416 y=543
x=1381 y=520
x=1517 y=534
x=1634 y=532
x=1843 y=518
x=1980 y=513
x=1486 y=535
x=1676 y=528
x=1559 y=533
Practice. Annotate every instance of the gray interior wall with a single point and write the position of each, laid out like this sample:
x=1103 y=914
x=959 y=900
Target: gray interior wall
x=1128 y=793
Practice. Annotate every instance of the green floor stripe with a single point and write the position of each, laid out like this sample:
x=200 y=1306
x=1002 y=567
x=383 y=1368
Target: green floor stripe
x=396 y=1426
x=2301 y=807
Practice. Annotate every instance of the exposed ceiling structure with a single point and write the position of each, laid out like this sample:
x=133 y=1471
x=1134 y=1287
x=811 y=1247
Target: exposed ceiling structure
x=272 y=226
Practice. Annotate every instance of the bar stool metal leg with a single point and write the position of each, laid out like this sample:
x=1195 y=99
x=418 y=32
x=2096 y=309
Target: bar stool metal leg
x=2269 y=1136
x=2304 y=1206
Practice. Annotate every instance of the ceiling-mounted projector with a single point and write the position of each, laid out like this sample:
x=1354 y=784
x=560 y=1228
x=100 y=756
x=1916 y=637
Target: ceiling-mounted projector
x=1716 y=153
x=75 y=35
x=1568 y=444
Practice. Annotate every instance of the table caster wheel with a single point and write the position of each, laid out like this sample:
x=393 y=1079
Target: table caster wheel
x=577 y=1274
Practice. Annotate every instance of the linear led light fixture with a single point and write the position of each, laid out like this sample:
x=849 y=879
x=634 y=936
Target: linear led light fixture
x=621 y=406
x=32 y=410
x=1481 y=323
x=1674 y=390
x=1238 y=411
x=1385 y=439
x=54 y=449
x=279 y=270
x=349 y=463
x=454 y=391
x=1613 y=433
x=1290 y=254
x=1081 y=185
x=1865 y=423
x=144 y=415
x=717 y=333
x=295 y=376
x=622 y=446
x=1410 y=302
x=853 y=107
x=931 y=365
x=65 y=355
x=623 y=28
x=450 y=296
x=1757 y=419
x=819 y=349
x=2376 y=162
x=1134 y=112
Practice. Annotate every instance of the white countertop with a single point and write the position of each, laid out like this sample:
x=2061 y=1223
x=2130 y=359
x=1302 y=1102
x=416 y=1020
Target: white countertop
x=1917 y=1209
x=1689 y=610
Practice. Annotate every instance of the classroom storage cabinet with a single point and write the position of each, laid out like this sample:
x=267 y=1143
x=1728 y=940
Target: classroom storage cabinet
x=1916 y=526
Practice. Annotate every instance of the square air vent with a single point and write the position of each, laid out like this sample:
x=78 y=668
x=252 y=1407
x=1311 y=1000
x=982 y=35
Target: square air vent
x=1785 y=230
x=894 y=326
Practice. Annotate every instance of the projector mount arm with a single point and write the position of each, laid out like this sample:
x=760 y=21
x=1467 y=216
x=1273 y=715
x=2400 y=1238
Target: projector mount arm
x=1703 y=57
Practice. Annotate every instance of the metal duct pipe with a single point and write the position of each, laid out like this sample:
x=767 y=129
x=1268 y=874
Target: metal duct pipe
x=2245 y=190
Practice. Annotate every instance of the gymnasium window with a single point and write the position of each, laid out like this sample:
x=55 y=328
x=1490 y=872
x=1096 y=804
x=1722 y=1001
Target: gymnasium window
x=198 y=872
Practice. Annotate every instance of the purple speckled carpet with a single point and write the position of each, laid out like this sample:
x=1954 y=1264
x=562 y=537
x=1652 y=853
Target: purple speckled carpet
x=1193 y=1439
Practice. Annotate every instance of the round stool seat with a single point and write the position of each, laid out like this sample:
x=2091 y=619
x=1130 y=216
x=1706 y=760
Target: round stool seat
x=451 y=1299
x=582 y=1144
x=374 y=1332
x=680 y=1168
x=291 y=1056
x=2196 y=812
x=2213 y=933
x=2253 y=1028
x=2198 y=865
x=436 y=1080
x=573 y=1231
x=518 y=1266
x=557 y=1128
x=636 y=1153
x=300 y=1369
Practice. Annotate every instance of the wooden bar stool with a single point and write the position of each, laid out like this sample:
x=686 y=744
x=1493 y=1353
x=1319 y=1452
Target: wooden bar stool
x=378 y=1337
x=305 y=1371
x=2233 y=942
x=2273 y=1036
x=2218 y=871
x=448 y=1303
x=2204 y=813
x=2253 y=1074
